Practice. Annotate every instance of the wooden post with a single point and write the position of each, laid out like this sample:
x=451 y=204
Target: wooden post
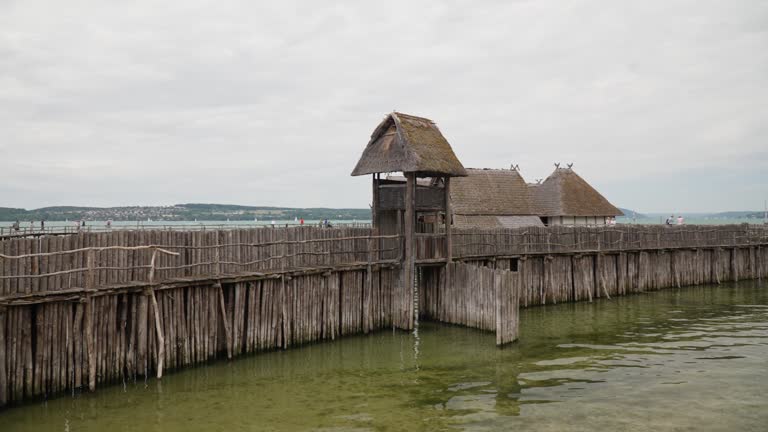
x=227 y=330
x=158 y=324
x=448 y=229
x=3 y=378
x=159 y=332
x=599 y=275
x=368 y=288
x=408 y=232
x=448 y=221
x=375 y=203
x=89 y=341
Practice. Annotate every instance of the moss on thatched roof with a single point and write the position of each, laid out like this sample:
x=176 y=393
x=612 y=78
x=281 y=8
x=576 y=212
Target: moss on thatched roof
x=406 y=143
x=482 y=221
x=565 y=193
x=491 y=192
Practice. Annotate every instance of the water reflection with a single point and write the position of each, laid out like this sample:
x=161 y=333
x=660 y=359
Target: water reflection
x=681 y=359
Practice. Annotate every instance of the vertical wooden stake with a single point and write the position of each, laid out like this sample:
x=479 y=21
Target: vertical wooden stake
x=498 y=295
x=158 y=323
x=159 y=331
x=227 y=330
x=410 y=221
x=448 y=228
x=89 y=336
x=368 y=288
x=3 y=376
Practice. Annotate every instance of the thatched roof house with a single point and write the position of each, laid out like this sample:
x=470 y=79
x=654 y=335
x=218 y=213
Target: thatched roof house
x=493 y=198
x=566 y=198
x=406 y=143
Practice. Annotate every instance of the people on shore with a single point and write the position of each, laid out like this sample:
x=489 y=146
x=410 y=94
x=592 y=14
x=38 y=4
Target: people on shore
x=680 y=219
x=16 y=225
x=670 y=220
x=301 y=221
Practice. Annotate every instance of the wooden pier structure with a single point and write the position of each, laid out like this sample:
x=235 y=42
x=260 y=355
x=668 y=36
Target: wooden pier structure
x=95 y=308
x=79 y=310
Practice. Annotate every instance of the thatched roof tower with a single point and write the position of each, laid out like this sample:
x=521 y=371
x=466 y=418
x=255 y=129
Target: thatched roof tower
x=565 y=193
x=409 y=144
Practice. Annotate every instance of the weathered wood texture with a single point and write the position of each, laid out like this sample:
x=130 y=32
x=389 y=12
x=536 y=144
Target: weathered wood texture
x=478 y=297
x=550 y=279
x=50 y=346
x=105 y=315
x=78 y=310
x=468 y=243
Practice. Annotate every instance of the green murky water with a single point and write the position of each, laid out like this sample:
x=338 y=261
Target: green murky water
x=688 y=359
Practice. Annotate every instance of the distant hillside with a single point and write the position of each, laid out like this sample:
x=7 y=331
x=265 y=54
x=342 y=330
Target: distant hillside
x=181 y=212
x=738 y=215
x=629 y=214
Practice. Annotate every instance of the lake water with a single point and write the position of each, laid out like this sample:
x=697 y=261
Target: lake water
x=691 y=359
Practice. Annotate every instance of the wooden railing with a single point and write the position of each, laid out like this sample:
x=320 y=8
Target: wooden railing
x=56 y=263
x=538 y=240
x=25 y=230
x=119 y=259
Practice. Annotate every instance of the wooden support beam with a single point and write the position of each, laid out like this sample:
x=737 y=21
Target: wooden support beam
x=448 y=221
x=3 y=373
x=150 y=292
x=225 y=320
x=448 y=229
x=159 y=333
x=368 y=292
x=89 y=336
x=408 y=232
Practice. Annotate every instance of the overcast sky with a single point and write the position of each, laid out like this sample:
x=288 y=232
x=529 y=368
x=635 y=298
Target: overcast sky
x=662 y=105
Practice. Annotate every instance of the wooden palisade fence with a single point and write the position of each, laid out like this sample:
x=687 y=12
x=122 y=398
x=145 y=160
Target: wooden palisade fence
x=91 y=308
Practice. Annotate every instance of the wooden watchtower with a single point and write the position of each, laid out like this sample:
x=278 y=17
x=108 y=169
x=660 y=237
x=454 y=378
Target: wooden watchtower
x=414 y=146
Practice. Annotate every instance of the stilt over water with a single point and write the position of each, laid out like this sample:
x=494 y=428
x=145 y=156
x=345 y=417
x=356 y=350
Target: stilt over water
x=84 y=310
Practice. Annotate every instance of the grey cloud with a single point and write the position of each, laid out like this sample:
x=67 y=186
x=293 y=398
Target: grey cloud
x=140 y=103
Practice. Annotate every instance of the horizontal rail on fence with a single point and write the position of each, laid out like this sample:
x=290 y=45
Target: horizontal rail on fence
x=93 y=248
x=163 y=249
x=10 y=232
x=78 y=293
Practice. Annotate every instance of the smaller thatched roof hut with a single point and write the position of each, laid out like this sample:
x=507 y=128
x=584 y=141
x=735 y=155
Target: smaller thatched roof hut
x=409 y=144
x=565 y=193
x=493 y=198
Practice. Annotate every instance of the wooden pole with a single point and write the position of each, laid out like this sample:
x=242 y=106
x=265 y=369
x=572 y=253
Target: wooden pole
x=89 y=337
x=368 y=289
x=159 y=332
x=158 y=322
x=448 y=221
x=227 y=330
x=3 y=377
x=375 y=202
x=409 y=262
x=448 y=233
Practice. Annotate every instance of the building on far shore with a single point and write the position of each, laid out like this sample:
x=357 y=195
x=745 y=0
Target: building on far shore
x=565 y=198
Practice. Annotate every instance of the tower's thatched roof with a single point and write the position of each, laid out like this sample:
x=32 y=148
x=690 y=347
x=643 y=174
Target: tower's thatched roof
x=565 y=193
x=407 y=143
x=497 y=192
